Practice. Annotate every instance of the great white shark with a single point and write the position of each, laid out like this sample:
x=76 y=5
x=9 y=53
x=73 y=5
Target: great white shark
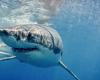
x=38 y=45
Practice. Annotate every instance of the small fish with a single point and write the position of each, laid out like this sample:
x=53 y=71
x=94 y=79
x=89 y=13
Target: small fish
x=38 y=45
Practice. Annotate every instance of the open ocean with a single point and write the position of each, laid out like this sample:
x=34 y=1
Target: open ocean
x=78 y=23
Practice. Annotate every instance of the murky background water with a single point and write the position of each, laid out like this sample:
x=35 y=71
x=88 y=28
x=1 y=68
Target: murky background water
x=78 y=22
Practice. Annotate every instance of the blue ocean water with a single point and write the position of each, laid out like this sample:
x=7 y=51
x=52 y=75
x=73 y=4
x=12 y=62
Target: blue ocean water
x=78 y=23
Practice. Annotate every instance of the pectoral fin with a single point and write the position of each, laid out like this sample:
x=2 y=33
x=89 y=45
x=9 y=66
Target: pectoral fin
x=5 y=53
x=68 y=70
x=6 y=56
x=4 y=48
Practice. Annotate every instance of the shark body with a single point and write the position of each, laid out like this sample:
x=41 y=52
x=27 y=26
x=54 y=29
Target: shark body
x=34 y=44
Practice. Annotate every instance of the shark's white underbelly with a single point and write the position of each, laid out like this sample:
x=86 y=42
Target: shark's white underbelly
x=45 y=58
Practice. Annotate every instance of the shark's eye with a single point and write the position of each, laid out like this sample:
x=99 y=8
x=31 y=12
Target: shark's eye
x=56 y=50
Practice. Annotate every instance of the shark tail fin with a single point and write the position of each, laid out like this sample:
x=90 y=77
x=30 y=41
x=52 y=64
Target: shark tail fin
x=68 y=70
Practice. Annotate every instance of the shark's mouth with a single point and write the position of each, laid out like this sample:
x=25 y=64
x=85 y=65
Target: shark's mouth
x=25 y=49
